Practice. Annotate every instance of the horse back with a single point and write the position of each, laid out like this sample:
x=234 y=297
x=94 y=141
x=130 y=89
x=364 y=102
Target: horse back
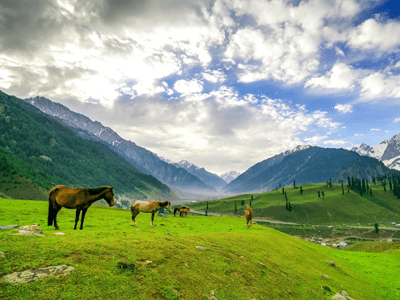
x=66 y=196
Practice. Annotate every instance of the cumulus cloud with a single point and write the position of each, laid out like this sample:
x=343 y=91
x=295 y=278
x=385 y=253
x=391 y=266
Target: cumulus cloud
x=340 y=77
x=335 y=142
x=371 y=34
x=188 y=87
x=375 y=129
x=380 y=85
x=396 y=120
x=344 y=108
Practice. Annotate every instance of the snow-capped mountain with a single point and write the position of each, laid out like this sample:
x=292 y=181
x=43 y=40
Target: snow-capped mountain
x=229 y=176
x=208 y=178
x=387 y=151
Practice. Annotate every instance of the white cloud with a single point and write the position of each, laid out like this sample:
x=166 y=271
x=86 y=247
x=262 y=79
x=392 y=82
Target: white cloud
x=375 y=129
x=359 y=134
x=396 y=120
x=214 y=76
x=344 y=108
x=340 y=77
x=188 y=87
x=371 y=34
x=335 y=142
x=379 y=86
x=339 y=52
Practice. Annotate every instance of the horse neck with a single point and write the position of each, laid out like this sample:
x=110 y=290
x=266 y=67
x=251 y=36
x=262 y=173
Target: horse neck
x=97 y=196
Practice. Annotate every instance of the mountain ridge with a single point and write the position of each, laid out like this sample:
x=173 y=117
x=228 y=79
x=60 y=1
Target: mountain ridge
x=143 y=159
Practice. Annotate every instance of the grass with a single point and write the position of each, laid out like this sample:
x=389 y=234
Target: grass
x=237 y=263
x=333 y=209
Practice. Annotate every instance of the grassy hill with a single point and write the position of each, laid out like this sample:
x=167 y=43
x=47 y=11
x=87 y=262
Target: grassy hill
x=58 y=156
x=236 y=263
x=308 y=208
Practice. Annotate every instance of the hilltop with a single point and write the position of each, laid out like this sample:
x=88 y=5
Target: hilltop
x=308 y=208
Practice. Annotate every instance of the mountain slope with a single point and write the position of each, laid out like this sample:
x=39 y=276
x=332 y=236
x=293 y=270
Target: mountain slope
x=387 y=151
x=208 y=178
x=311 y=165
x=144 y=160
x=59 y=155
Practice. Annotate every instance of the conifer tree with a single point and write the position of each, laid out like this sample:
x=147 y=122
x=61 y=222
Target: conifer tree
x=294 y=183
x=283 y=191
x=301 y=190
x=323 y=195
x=319 y=194
x=235 y=207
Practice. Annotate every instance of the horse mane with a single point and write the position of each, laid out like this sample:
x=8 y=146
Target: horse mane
x=164 y=203
x=96 y=191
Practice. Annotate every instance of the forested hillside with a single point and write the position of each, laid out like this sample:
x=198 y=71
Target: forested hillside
x=58 y=156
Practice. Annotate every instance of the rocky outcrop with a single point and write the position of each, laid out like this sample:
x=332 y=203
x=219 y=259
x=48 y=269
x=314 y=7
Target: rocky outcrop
x=36 y=274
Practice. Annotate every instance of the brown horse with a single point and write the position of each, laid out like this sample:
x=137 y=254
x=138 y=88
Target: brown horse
x=80 y=199
x=178 y=209
x=147 y=207
x=249 y=217
x=184 y=211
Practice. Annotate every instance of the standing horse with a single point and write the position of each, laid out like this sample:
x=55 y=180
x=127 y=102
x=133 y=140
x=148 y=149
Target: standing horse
x=147 y=207
x=249 y=217
x=184 y=211
x=178 y=209
x=80 y=199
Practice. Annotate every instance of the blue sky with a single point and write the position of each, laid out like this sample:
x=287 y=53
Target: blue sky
x=222 y=84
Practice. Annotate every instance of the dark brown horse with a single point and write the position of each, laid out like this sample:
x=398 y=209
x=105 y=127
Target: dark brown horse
x=80 y=199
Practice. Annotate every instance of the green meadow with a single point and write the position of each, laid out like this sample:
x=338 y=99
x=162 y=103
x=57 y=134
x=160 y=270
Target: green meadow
x=335 y=208
x=234 y=263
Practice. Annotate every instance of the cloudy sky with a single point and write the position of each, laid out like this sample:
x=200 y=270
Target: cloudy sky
x=222 y=84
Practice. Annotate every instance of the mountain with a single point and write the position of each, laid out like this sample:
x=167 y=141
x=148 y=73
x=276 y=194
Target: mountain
x=229 y=176
x=57 y=155
x=254 y=171
x=306 y=165
x=387 y=151
x=208 y=178
x=142 y=159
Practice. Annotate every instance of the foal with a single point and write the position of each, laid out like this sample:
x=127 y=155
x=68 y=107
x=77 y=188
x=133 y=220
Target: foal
x=249 y=217
x=184 y=211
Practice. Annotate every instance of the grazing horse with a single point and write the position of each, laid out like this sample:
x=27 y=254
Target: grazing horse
x=184 y=211
x=147 y=207
x=249 y=217
x=178 y=209
x=80 y=199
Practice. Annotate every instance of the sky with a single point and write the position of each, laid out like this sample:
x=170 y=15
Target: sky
x=222 y=84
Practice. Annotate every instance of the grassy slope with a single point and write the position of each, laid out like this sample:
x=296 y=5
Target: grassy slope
x=335 y=208
x=230 y=266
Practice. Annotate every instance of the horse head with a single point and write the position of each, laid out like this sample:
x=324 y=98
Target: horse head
x=168 y=206
x=109 y=196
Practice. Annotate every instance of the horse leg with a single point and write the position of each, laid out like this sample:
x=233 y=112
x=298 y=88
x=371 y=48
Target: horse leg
x=134 y=214
x=77 y=213
x=55 y=212
x=152 y=218
x=83 y=217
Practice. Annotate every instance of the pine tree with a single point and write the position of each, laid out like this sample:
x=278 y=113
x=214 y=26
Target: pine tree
x=330 y=182
x=319 y=194
x=301 y=190
x=294 y=183
x=323 y=195
x=283 y=191
x=235 y=207
x=207 y=205
x=342 y=188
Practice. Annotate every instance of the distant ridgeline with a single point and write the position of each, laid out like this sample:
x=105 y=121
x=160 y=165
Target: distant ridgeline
x=35 y=145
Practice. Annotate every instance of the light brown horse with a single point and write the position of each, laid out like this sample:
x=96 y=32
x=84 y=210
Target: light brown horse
x=80 y=199
x=147 y=207
x=184 y=211
x=249 y=217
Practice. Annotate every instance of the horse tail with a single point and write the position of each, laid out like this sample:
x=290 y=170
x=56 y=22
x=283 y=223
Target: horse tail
x=50 y=216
